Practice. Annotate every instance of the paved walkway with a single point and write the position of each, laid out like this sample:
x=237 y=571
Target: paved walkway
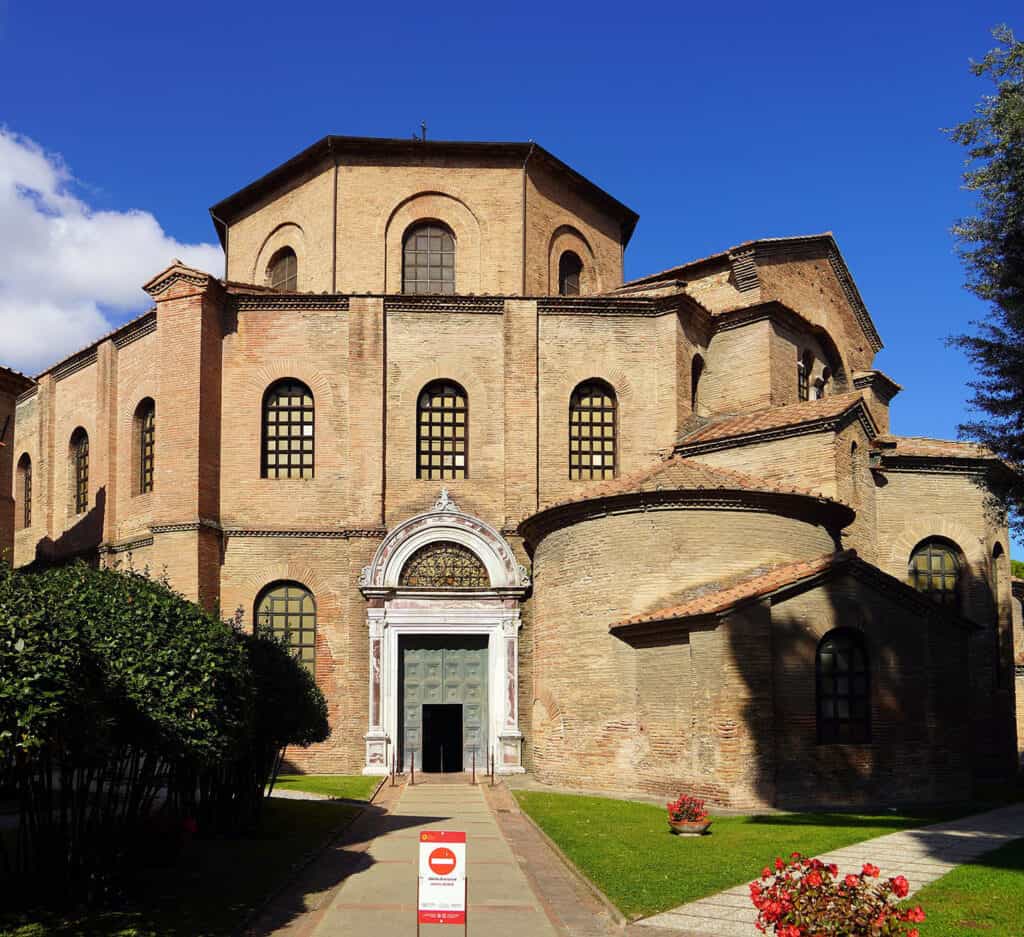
x=922 y=855
x=379 y=899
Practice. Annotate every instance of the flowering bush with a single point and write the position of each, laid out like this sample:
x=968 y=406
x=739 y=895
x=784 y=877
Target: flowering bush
x=806 y=898
x=686 y=809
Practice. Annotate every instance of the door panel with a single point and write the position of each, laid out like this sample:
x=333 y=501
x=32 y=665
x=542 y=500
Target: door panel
x=443 y=670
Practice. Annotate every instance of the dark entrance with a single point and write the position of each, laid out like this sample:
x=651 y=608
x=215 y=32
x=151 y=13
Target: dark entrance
x=442 y=737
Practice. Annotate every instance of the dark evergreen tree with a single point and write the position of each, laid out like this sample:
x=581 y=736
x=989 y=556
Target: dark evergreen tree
x=991 y=245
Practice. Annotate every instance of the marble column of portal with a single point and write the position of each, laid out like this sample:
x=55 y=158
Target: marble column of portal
x=510 y=741
x=376 y=738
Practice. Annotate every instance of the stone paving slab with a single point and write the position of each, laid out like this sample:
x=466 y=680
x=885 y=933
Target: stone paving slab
x=922 y=855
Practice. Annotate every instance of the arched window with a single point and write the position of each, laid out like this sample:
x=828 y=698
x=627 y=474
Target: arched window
x=843 y=688
x=80 y=470
x=997 y=562
x=145 y=428
x=592 y=431
x=696 y=372
x=803 y=375
x=569 y=269
x=442 y=431
x=24 y=489
x=854 y=469
x=283 y=270
x=935 y=571
x=287 y=610
x=428 y=259
x=445 y=565
x=288 y=430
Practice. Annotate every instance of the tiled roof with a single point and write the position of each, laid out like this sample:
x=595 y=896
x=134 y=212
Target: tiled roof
x=923 y=447
x=123 y=327
x=810 y=411
x=682 y=473
x=755 y=587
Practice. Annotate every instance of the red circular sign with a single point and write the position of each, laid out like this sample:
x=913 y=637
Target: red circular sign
x=442 y=861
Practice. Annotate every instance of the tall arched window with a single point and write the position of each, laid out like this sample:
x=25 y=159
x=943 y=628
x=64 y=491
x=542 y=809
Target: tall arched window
x=428 y=259
x=283 y=270
x=843 y=688
x=288 y=430
x=287 y=610
x=803 y=375
x=80 y=470
x=569 y=269
x=442 y=431
x=23 y=492
x=145 y=428
x=592 y=431
x=445 y=565
x=696 y=372
x=935 y=571
x=997 y=562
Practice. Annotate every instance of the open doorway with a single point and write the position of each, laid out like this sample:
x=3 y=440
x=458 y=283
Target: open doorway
x=442 y=737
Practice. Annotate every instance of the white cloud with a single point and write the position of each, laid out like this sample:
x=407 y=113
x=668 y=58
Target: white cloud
x=65 y=267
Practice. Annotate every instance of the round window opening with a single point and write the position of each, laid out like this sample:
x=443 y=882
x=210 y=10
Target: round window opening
x=445 y=565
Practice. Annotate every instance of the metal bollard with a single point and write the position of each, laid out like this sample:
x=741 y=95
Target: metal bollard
x=473 y=781
x=412 y=767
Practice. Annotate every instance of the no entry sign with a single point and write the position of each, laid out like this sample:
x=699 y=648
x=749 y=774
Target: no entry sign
x=442 y=891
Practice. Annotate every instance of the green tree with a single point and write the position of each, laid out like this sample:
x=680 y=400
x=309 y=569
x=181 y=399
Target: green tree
x=991 y=246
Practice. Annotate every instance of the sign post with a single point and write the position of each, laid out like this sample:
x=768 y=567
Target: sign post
x=441 y=888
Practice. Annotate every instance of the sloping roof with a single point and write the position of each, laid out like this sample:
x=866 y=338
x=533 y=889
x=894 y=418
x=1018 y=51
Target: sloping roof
x=924 y=447
x=14 y=381
x=330 y=147
x=769 y=246
x=809 y=413
x=716 y=600
x=682 y=473
x=764 y=583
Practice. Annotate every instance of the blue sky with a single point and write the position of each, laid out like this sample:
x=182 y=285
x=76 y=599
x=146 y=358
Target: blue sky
x=718 y=123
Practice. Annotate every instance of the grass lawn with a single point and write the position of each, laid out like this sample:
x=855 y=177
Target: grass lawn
x=215 y=884
x=986 y=898
x=626 y=849
x=351 y=786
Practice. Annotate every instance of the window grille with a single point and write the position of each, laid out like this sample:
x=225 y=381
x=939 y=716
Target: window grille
x=428 y=260
x=803 y=376
x=841 y=664
x=283 y=271
x=25 y=467
x=288 y=431
x=287 y=610
x=569 y=269
x=445 y=565
x=442 y=428
x=935 y=571
x=592 y=431
x=80 y=465
x=147 y=436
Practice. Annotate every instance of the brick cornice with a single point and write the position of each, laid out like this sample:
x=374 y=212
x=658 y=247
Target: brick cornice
x=348 y=533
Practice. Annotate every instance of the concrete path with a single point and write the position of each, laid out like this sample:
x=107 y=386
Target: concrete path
x=379 y=899
x=922 y=855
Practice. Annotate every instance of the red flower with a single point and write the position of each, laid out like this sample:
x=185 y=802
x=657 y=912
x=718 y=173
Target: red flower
x=833 y=870
x=851 y=881
x=766 y=872
x=814 y=879
x=779 y=864
x=914 y=933
x=915 y=914
x=900 y=886
x=871 y=870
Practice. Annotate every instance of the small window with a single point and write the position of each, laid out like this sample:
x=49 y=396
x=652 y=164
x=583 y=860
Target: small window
x=442 y=431
x=288 y=430
x=592 y=431
x=145 y=422
x=24 y=490
x=843 y=682
x=935 y=571
x=80 y=470
x=287 y=610
x=283 y=270
x=445 y=565
x=569 y=269
x=428 y=260
x=803 y=376
x=696 y=372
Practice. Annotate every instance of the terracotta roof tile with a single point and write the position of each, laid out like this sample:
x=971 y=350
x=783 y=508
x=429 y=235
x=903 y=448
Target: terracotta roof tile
x=776 y=418
x=925 y=447
x=761 y=584
x=680 y=472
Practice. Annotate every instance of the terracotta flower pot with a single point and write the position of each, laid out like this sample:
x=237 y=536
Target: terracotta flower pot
x=689 y=827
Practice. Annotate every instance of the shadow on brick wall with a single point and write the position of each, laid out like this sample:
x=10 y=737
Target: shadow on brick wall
x=81 y=541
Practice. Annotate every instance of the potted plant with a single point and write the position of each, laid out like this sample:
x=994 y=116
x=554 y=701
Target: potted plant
x=687 y=816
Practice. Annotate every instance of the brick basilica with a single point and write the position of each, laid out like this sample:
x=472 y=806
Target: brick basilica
x=652 y=536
